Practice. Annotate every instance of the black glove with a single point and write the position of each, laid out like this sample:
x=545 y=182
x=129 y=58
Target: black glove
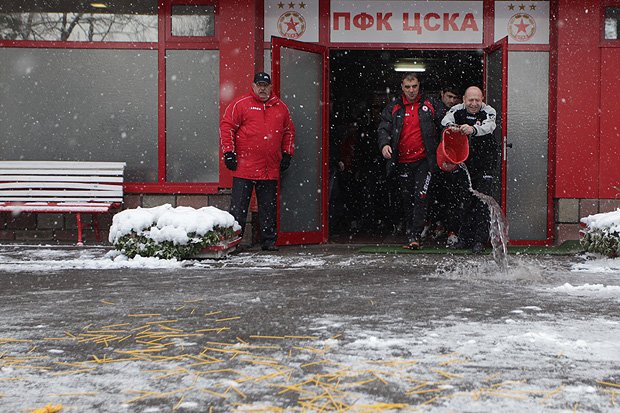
x=230 y=159
x=285 y=162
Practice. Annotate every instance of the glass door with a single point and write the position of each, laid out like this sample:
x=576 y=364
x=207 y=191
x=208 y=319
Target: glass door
x=300 y=79
x=496 y=83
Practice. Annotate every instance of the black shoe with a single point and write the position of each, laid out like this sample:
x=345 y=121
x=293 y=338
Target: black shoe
x=270 y=248
x=478 y=248
x=241 y=248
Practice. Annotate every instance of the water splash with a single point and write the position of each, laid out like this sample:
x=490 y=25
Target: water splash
x=498 y=228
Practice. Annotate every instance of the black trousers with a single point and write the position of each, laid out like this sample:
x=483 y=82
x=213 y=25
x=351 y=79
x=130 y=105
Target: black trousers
x=414 y=181
x=266 y=196
x=446 y=195
x=477 y=218
x=483 y=166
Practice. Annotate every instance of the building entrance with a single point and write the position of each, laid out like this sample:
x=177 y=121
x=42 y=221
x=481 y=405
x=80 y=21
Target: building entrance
x=364 y=206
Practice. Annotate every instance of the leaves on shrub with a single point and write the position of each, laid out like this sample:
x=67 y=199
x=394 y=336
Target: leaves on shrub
x=601 y=241
x=138 y=244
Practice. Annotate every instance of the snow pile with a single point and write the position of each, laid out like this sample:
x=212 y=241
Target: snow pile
x=595 y=290
x=602 y=233
x=167 y=223
x=168 y=232
x=597 y=265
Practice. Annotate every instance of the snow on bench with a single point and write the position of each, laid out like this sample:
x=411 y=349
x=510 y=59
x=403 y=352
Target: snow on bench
x=61 y=187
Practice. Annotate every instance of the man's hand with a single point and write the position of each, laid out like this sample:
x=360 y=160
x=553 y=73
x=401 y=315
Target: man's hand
x=230 y=160
x=387 y=152
x=467 y=129
x=285 y=162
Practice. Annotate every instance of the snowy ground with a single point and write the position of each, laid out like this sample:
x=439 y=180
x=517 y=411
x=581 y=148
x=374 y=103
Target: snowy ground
x=307 y=330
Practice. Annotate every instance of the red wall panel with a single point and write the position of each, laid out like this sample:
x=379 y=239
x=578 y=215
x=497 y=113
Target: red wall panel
x=610 y=125
x=578 y=88
x=241 y=54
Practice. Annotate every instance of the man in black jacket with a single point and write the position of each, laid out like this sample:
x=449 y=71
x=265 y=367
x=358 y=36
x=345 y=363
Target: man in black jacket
x=445 y=193
x=477 y=120
x=407 y=138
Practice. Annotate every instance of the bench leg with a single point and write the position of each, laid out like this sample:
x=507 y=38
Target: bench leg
x=78 y=217
x=95 y=223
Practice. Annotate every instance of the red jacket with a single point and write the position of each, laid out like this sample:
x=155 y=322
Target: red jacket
x=411 y=146
x=258 y=132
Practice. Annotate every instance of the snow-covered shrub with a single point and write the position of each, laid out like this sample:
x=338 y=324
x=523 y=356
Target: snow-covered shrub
x=602 y=233
x=167 y=232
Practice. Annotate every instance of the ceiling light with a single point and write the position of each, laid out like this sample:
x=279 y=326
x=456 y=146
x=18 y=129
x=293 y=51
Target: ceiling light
x=409 y=67
x=99 y=5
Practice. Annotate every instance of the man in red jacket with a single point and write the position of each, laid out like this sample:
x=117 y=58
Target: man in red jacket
x=407 y=138
x=257 y=136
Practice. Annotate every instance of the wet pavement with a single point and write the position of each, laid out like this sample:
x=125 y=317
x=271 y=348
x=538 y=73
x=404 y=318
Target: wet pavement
x=312 y=329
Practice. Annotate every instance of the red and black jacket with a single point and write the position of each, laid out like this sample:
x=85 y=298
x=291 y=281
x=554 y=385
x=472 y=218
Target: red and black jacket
x=391 y=126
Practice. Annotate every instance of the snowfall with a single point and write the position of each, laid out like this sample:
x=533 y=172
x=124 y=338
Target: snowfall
x=542 y=353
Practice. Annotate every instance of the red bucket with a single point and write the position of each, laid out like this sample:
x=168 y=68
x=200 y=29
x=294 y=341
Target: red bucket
x=452 y=150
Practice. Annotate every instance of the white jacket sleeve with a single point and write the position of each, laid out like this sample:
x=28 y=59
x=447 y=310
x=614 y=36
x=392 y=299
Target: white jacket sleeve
x=488 y=125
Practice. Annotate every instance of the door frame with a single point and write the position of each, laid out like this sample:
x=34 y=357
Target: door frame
x=500 y=46
x=320 y=236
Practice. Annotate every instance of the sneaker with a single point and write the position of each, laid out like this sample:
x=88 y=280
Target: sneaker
x=478 y=248
x=270 y=248
x=452 y=239
x=413 y=245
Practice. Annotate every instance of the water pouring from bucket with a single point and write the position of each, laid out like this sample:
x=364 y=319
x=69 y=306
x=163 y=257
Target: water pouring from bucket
x=452 y=152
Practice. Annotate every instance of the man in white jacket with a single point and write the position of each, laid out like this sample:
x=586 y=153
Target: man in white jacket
x=476 y=120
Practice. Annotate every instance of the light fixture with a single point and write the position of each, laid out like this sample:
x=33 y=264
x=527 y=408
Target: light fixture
x=409 y=67
x=99 y=5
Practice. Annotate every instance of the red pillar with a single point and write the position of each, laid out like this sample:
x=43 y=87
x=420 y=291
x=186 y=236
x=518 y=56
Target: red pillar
x=241 y=30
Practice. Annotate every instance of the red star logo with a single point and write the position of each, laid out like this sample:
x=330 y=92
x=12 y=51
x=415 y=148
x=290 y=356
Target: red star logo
x=291 y=25
x=521 y=26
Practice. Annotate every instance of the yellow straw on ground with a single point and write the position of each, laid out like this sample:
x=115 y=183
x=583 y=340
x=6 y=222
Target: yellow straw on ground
x=48 y=409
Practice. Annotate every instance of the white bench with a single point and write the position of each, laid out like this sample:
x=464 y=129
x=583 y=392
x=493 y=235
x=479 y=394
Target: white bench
x=61 y=187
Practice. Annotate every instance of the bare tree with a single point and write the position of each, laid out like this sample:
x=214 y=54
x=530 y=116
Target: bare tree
x=65 y=30
x=78 y=27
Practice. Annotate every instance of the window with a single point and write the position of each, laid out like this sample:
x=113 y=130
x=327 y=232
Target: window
x=69 y=20
x=192 y=115
x=193 y=20
x=102 y=80
x=612 y=16
x=80 y=105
